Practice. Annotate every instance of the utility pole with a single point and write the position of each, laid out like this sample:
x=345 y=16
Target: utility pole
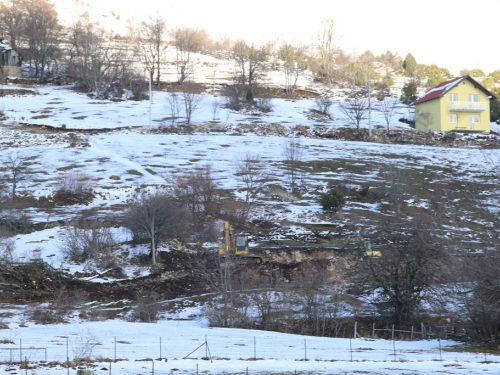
x=150 y=98
x=369 y=110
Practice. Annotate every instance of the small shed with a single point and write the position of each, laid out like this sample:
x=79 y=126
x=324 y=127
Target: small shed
x=9 y=60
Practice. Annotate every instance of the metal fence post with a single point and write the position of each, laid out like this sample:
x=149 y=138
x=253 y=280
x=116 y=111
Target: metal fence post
x=350 y=347
x=305 y=350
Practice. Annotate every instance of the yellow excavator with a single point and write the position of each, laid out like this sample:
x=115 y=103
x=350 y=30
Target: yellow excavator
x=364 y=247
x=236 y=245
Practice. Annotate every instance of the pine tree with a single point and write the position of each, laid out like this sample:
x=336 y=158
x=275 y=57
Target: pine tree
x=410 y=65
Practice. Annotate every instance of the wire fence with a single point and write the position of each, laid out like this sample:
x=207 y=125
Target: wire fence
x=268 y=345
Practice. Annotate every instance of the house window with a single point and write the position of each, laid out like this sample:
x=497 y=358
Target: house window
x=453 y=97
x=453 y=118
x=474 y=98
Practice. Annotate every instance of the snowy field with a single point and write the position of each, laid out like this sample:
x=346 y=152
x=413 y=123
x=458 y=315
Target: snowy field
x=178 y=347
x=60 y=107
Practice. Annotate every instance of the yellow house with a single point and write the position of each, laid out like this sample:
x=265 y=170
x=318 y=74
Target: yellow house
x=460 y=104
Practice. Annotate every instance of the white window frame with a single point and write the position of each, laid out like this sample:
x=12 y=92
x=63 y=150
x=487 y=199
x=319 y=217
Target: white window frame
x=453 y=118
x=474 y=98
x=453 y=97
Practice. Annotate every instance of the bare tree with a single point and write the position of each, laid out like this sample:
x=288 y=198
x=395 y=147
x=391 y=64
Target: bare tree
x=42 y=32
x=147 y=306
x=156 y=216
x=222 y=275
x=294 y=64
x=425 y=118
x=215 y=107
x=92 y=242
x=7 y=247
x=387 y=107
x=174 y=106
x=324 y=104
x=98 y=63
x=293 y=153
x=88 y=56
x=250 y=61
x=328 y=48
x=12 y=14
x=197 y=191
x=367 y=60
x=151 y=44
x=478 y=290
x=412 y=258
x=2 y=93
x=477 y=280
x=252 y=171
x=16 y=171
x=398 y=183
x=187 y=41
x=192 y=100
x=355 y=109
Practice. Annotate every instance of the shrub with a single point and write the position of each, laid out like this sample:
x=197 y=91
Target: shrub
x=45 y=316
x=232 y=95
x=364 y=189
x=264 y=104
x=7 y=247
x=94 y=243
x=323 y=105
x=333 y=200
x=74 y=188
x=147 y=307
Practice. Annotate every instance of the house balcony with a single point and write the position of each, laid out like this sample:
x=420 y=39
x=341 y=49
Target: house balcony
x=467 y=106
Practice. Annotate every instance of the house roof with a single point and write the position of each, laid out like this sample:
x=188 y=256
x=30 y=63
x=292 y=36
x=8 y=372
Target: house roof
x=4 y=46
x=441 y=89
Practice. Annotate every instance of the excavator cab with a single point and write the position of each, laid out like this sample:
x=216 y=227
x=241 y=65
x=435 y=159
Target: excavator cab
x=241 y=244
x=367 y=251
x=364 y=245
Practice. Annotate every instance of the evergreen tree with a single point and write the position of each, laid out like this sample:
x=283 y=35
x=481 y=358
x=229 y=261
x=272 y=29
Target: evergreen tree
x=410 y=65
x=409 y=92
x=495 y=111
x=436 y=75
x=333 y=200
